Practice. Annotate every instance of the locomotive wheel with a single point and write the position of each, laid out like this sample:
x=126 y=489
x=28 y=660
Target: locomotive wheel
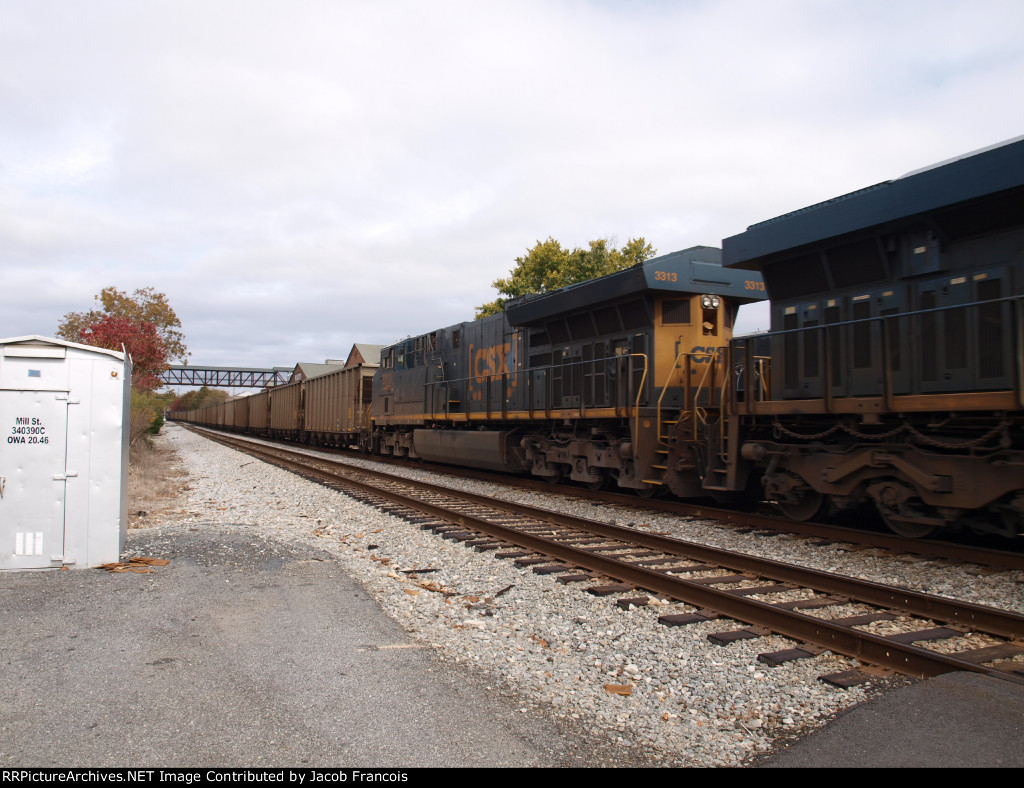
x=646 y=492
x=810 y=505
x=597 y=484
x=897 y=503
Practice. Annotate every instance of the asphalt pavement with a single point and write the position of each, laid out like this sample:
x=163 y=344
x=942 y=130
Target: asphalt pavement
x=957 y=720
x=243 y=652
x=246 y=652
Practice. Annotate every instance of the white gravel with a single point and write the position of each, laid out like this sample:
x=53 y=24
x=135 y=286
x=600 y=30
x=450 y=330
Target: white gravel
x=691 y=703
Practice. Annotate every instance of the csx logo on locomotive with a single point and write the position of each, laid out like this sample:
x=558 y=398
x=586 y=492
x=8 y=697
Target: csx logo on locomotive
x=490 y=362
x=703 y=355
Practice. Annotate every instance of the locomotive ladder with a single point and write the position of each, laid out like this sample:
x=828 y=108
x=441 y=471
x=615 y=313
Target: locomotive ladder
x=690 y=411
x=721 y=464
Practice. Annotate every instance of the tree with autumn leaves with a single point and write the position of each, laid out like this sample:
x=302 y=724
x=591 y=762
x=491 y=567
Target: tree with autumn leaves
x=142 y=323
x=149 y=357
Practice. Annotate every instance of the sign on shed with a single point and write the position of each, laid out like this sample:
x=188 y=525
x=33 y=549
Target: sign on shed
x=64 y=412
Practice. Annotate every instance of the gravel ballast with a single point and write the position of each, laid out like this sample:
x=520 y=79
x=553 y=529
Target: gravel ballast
x=689 y=702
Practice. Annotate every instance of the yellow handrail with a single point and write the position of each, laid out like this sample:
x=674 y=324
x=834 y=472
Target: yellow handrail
x=636 y=404
x=712 y=360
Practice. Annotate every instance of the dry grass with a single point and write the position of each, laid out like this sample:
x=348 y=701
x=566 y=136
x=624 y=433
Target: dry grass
x=155 y=478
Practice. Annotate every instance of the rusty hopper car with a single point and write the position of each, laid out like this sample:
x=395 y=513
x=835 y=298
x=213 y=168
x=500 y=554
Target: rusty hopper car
x=215 y=415
x=614 y=379
x=240 y=418
x=895 y=376
x=259 y=412
x=337 y=406
x=286 y=411
x=229 y=415
x=328 y=410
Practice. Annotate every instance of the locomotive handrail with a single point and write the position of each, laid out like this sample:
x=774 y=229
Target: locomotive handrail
x=691 y=396
x=903 y=315
x=486 y=382
x=664 y=389
x=882 y=338
x=711 y=370
x=1019 y=360
x=764 y=371
x=755 y=371
x=639 y=393
x=722 y=398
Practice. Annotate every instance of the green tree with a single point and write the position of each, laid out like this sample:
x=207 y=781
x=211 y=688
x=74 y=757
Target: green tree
x=198 y=398
x=145 y=305
x=549 y=266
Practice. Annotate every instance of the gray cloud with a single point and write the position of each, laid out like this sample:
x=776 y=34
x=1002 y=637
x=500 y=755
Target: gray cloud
x=300 y=176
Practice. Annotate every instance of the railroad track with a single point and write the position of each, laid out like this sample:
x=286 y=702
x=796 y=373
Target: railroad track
x=765 y=523
x=929 y=549
x=711 y=583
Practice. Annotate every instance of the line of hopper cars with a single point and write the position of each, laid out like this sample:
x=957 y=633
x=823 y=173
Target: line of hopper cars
x=893 y=377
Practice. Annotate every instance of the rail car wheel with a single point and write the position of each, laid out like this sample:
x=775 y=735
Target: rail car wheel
x=899 y=508
x=794 y=497
x=802 y=505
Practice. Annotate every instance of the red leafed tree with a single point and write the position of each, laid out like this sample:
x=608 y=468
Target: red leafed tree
x=139 y=337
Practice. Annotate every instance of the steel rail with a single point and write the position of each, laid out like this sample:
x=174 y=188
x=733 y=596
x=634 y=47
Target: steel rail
x=888 y=541
x=905 y=658
x=930 y=547
x=977 y=617
x=964 y=614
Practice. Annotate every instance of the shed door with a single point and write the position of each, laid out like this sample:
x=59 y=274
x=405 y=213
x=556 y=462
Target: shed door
x=33 y=451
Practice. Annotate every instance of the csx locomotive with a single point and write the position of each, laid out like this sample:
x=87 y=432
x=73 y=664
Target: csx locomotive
x=894 y=374
x=618 y=378
x=892 y=378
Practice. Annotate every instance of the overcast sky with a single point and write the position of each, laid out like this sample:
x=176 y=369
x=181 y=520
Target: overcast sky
x=298 y=176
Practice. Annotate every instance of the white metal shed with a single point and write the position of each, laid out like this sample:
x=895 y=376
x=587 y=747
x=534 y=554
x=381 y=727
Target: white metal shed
x=64 y=412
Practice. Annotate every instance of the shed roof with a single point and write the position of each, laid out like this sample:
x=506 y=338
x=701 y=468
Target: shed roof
x=310 y=370
x=41 y=341
x=368 y=354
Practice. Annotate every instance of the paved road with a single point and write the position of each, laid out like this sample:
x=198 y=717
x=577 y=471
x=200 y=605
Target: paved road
x=242 y=653
x=247 y=653
x=952 y=721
